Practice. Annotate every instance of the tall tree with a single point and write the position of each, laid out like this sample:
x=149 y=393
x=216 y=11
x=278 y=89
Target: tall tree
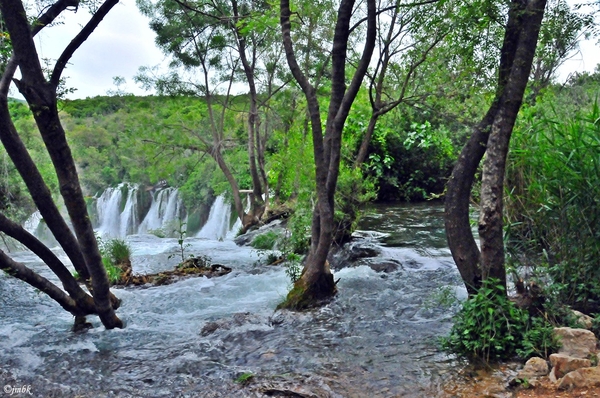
x=316 y=282
x=41 y=95
x=220 y=40
x=492 y=136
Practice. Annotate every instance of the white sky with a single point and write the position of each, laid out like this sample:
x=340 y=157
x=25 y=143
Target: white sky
x=118 y=47
x=123 y=42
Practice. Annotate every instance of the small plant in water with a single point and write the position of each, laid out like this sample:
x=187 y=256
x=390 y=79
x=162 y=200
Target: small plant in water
x=181 y=233
x=244 y=378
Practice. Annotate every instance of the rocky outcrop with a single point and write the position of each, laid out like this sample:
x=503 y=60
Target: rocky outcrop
x=572 y=366
x=563 y=364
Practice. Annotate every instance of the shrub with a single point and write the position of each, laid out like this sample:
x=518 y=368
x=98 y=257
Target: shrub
x=488 y=326
x=265 y=241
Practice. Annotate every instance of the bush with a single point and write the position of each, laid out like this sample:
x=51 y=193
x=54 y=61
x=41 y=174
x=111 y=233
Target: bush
x=265 y=241
x=488 y=326
x=116 y=257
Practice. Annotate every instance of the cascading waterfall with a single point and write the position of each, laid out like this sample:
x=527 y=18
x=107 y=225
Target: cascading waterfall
x=166 y=208
x=108 y=207
x=121 y=211
x=217 y=225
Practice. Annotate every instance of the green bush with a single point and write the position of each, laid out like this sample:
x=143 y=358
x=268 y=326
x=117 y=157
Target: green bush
x=265 y=241
x=489 y=326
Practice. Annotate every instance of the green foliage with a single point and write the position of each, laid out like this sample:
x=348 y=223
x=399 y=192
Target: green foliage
x=180 y=233
x=553 y=206
x=489 y=326
x=266 y=241
x=293 y=267
x=113 y=272
x=244 y=378
x=115 y=252
x=538 y=340
x=410 y=160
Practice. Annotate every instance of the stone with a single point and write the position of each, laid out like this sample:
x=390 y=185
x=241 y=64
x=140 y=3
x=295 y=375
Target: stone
x=534 y=367
x=578 y=343
x=385 y=266
x=584 y=377
x=584 y=320
x=563 y=364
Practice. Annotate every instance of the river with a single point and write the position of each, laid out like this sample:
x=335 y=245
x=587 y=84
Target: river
x=194 y=338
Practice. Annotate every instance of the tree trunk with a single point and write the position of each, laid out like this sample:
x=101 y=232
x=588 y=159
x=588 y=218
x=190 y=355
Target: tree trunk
x=41 y=97
x=316 y=282
x=516 y=56
x=492 y=182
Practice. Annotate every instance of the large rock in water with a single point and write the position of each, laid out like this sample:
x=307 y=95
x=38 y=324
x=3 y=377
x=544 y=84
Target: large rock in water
x=577 y=343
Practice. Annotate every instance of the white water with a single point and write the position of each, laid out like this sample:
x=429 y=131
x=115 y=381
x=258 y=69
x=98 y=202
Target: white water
x=164 y=213
x=217 y=225
x=376 y=329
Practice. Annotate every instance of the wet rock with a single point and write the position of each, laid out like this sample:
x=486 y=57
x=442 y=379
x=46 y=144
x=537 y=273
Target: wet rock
x=563 y=364
x=578 y=343
x=584 y=377
x=363 y=250
x=277 y=226
x=385 y=266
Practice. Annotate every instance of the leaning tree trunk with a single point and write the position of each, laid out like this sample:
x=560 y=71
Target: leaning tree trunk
x=520 y=39
x=316 y=282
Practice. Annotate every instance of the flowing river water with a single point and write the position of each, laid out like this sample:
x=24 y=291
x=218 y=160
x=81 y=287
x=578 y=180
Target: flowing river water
x=194 y=338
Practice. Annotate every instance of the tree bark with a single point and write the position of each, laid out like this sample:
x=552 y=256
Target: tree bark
x=492 y=181
x=83 y=300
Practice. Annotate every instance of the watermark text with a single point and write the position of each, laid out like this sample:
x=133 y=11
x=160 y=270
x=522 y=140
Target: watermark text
x=12 y=390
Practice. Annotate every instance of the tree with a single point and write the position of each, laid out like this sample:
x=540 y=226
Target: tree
x=41 y=95
x=491 y=136
x=220 y=39
x=316 y=282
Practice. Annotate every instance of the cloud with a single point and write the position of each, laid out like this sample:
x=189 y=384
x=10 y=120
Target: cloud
x=118 y=47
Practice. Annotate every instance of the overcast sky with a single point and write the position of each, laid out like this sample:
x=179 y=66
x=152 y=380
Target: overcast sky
x=118 y=47
x=123 y=42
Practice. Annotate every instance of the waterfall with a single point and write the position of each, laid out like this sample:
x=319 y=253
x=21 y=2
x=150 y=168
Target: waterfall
x=217 y=225
x=108 y=207
x=166 y=209
x=120 y=210
x=33 y=222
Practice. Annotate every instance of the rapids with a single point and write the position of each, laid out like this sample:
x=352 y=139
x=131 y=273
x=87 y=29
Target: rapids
x=193 y=338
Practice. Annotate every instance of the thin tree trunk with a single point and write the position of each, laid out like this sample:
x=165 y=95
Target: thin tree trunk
x=316 y=281
x=41 y=96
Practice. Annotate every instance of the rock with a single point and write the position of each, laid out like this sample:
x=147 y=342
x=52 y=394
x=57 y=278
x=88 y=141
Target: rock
x=584 y=377
x=563 y=364
x=385 y=266
x=364 y=250
x=534 y=367
x=578 y=343
x=584 y=320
